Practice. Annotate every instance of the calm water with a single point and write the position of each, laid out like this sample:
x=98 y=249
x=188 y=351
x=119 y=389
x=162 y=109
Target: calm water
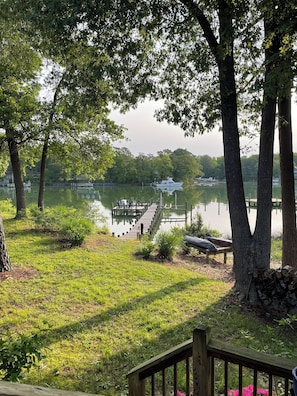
x=209 y=201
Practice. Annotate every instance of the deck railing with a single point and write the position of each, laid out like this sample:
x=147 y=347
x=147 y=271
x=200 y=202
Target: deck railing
x=204 y=367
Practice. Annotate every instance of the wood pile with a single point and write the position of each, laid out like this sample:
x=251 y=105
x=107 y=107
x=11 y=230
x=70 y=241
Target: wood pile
x=277 y=290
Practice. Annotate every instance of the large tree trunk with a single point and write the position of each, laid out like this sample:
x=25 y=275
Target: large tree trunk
x=244 y=256
x=262 y=233
x=289 y=237
x=5 y=264
x=42 y=176
x=251 y=251
x=17 y=175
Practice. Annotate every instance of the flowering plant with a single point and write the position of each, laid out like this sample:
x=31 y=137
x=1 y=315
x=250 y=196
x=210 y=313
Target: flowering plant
x=248 y=391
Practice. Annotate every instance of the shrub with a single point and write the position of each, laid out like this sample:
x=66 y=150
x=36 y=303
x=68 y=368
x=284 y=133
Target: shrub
x=76 y=230
x=69 y=222
x=17 y=353
x=7 y=206
x=146 y=248
x=197 y=228
x=167 y=243
x=50 y=219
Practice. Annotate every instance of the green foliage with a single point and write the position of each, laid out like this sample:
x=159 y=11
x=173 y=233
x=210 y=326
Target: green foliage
x=197 y=228
x=51 y=218
x=289 y=321
x=167 y=244
x=276 y=250
x=17 y=353
x=76 y=230
x=109 y=310
x=6 y=206
x=146 y=248
x=69 y=222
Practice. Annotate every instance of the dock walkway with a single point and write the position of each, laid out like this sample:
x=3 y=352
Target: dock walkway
x=132 y=210
x=144 y=224
x=253 y=203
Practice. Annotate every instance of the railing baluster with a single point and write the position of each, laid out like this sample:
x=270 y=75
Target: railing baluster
x=226 y=377
x=212 y=375
x=255 y=382
x=175 y=379
x=187 y=377
x=163 y=382
x=270 y=385
x=153 y=384
x=286 y=387
x=240 y=379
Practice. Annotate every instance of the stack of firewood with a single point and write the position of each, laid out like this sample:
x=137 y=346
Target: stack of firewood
x=277 y=290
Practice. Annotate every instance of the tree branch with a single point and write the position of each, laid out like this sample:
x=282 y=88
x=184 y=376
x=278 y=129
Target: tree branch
x=198 y=14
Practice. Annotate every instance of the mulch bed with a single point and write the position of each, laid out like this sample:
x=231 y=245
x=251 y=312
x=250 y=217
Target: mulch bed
x=18 y=273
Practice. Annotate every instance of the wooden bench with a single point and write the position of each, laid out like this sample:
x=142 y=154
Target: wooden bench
x=210 y=246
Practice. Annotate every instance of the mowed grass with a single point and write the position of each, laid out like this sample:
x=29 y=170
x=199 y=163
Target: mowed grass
x=101 y=310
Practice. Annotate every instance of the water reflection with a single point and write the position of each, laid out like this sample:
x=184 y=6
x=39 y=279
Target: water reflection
x=210 y=201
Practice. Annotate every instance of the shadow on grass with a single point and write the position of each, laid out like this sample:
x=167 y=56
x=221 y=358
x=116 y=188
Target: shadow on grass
x=67 y=331
x=107 y=376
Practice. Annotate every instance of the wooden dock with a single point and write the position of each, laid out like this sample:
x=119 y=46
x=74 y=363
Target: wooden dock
x=252 y=203
x=144 y=225
x=132 y=210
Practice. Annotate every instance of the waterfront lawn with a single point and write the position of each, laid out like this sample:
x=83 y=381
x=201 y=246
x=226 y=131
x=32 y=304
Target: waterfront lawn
x=100 y=309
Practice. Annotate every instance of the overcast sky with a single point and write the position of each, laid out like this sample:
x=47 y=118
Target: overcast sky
x=148 y=136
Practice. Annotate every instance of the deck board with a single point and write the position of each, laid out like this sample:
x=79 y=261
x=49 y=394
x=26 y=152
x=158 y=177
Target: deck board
x=143 y=225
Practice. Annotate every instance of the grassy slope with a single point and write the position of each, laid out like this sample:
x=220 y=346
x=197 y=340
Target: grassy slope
x=103 y=310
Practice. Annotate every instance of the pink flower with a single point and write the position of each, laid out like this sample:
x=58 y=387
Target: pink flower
x=248 y=391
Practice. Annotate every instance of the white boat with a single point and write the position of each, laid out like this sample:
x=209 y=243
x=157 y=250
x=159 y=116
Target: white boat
x=206 y=181
x=169 y=185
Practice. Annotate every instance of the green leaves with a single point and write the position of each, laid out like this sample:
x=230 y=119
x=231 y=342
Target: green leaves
x=18 y=352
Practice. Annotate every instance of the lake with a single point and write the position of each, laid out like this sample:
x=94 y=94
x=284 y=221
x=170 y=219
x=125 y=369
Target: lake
x=210 y=201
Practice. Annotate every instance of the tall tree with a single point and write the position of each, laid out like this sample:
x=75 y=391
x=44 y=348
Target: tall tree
x=286 y=31
x=185 y=165
x=198 y=57
x=76 y=128
x=18 y=95
x=5 y=29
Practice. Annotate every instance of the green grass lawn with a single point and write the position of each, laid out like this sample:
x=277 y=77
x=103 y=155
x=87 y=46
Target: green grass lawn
x=101 y=310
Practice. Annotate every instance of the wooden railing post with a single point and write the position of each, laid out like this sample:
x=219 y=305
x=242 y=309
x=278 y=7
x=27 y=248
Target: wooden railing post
x=136 y=385
x=201 y=363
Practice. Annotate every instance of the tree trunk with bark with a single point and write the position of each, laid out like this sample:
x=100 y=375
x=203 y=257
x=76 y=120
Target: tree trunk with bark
x=5 y=264
x=42 y=176
x=46 y=147
x=17 y=175
x=289 y=237
x=251 y=251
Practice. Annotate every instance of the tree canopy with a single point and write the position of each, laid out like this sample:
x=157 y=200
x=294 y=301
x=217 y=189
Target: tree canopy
x=209 y=61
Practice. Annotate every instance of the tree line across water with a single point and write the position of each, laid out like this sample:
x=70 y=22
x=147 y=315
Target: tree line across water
x=179 y=164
